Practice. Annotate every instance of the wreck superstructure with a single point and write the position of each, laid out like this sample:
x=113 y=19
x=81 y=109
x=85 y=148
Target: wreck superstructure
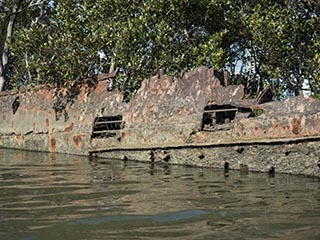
x=193 y=120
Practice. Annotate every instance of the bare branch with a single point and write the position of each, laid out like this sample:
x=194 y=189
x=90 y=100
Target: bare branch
x=31 y=5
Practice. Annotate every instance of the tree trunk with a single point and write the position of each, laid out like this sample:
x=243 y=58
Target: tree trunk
x=27 y=66
x=1 y=82
x=112 y=67
x=4 y=50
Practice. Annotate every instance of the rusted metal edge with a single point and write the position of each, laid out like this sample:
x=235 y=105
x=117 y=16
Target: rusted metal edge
x=106 y=122
x=207 y=145
x=107 y=131
x=221 y=110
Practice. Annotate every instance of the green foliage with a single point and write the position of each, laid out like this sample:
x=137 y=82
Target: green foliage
x=261 y=43
x=83 y=38
x=277 y=45
x=256 y=113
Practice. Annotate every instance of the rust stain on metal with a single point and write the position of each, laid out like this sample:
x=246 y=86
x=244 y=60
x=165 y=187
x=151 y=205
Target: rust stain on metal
x=47 y=123
x=84 y=119
x=82 y=95
x=53 y=144
x=296 y=126
x=197 y=138
x=77 y=140
x=69 y=128
x=20 y=138
x=184 y=137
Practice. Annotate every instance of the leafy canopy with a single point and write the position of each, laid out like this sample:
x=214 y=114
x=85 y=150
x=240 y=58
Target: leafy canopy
x=260 y=43
x=84 y=38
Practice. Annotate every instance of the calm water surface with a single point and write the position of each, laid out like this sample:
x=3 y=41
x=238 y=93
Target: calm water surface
x=51 y=196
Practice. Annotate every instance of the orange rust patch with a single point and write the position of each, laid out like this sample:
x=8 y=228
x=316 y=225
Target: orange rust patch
x=66 y=139
x=83 y=120
x=296 y=126
x=48 y=97
x=128 y=133
x=82 y=95
x=20 y=138
x=47 y=123
x=77 y=140
x=69 y=128
x=184 y=137
x=284 y=128
x=53 y=144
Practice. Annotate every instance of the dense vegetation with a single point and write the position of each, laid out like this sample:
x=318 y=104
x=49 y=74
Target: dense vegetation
x=261 y=44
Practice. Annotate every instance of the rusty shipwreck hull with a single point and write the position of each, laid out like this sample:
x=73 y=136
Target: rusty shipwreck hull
x=193 y=120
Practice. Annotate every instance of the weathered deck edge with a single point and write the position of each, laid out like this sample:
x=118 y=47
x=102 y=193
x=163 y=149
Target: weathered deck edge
x=207 y=145
x=290 y=156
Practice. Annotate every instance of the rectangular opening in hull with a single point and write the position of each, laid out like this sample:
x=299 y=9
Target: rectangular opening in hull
x=220 y=117
x=107 y=126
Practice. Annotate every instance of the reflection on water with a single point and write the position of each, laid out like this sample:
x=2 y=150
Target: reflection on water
x=52 y=196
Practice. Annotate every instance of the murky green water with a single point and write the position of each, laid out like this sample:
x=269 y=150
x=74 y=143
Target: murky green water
x=51 y=196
